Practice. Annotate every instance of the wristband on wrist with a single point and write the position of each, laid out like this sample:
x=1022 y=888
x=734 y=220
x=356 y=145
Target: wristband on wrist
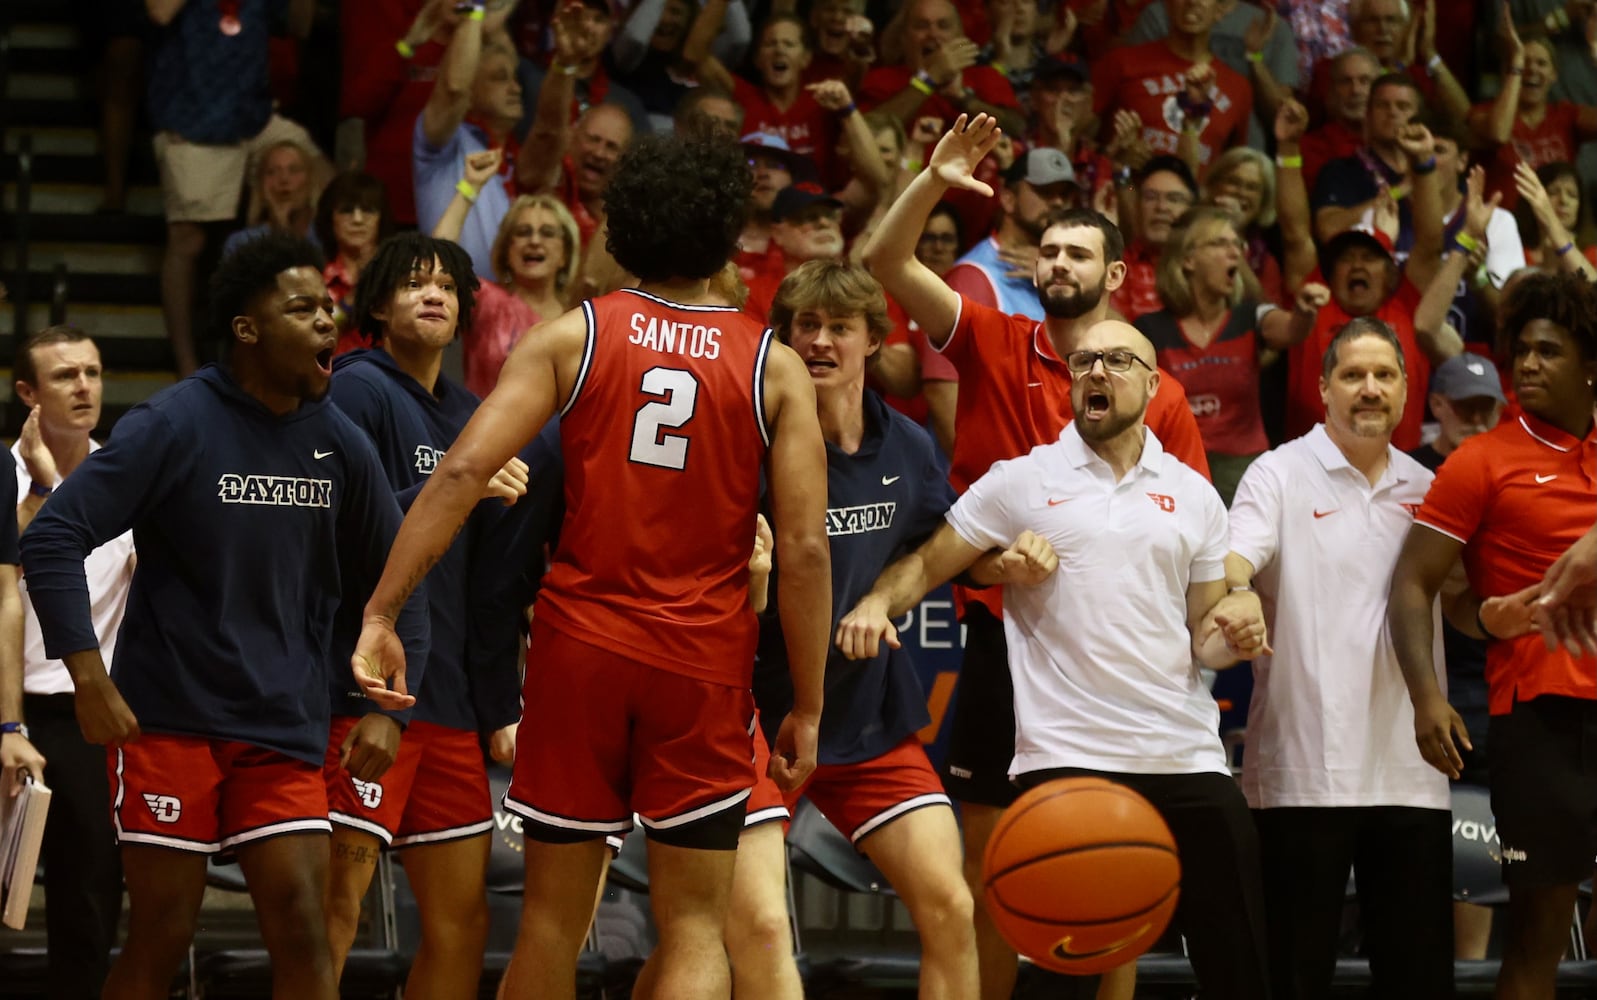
x=404 y=49
x=477 y=13
x=847 y=110
x=39 y=489
x=922 y=82
x=1399 y=192
x=1566 y=248
x=1482 y=625
x=1001 y=68
x=466 y=190
x=1466 y=242
x=1289 y=162
x=1425 y=166
x=14 y=727
x=1248 y=587
x=1256 y=57
x=1434 y=64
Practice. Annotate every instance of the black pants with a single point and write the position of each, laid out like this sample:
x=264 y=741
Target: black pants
x=82 y=866
x=1402 y=859
x=1221 y=910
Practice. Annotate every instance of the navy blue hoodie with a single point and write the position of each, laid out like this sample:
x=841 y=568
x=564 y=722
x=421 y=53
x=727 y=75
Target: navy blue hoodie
x=412 y=428
x=881 y=502
x=250 y=527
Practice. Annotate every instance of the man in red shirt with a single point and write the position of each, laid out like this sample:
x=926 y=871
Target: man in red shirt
x=1165 y=190
x=1014 y=394
x=637 y=687
x=1151 y=79
x=940 y=77
x=1347 y=98
x=1509 y=502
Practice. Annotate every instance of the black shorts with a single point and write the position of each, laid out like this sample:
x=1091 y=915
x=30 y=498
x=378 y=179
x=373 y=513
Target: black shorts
x=1544 y=790
x=981 y=735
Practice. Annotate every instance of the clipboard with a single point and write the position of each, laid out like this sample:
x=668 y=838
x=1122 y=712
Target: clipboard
x=21 y=835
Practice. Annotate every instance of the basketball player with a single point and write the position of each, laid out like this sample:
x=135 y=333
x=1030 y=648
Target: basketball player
x=254 y=504
x=670 y=402
x=433 y=801
x=886 y=491
x=1014 y=394
x=1510 y=502
x=1102 y=656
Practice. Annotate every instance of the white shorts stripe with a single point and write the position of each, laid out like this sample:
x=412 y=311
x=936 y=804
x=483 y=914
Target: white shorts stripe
x=886 y=816
x=175 y=843
x=694 y=815
x=760 y=816
x=277 y=830
x=364 y=825
x=620 y=826
x=440 y=836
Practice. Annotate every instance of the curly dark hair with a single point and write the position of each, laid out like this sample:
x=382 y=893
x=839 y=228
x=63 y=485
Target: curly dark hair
x=1566 y=300
x=251 y=270
x=401 y=254
x=676 y=206
x=348 y=191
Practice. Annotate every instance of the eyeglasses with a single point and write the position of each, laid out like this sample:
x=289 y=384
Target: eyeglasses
x=1175 y=199
x=1118 y=360
x=946 y=238
x=1223 y=243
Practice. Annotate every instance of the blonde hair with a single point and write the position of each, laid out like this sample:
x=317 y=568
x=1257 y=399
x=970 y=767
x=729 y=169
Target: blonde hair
x=1170 y=276
x=1229 y=162
x=303 y=215
x=499 y=255
x=839 y=287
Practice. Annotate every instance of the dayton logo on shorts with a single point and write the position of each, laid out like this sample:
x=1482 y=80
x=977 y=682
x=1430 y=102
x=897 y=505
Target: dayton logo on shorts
x=1163 y=502
x=859 y=520
x=275 y=491
x=370 y=792
x=165 y=808
x=427 y=458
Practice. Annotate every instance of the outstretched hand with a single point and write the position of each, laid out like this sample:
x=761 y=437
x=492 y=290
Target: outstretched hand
x=962 y=148
x=379 y=656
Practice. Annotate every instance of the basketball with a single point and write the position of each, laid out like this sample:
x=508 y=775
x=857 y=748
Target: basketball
x=1081 y=875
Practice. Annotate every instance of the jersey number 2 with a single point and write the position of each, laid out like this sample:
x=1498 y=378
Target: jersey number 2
x=649 y=446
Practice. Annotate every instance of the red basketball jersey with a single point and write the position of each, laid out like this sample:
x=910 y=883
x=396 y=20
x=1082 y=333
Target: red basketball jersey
x=663 y=439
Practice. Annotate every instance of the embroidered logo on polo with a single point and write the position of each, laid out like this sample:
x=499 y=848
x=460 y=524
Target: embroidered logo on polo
x=1164 y=502
x=274 y=491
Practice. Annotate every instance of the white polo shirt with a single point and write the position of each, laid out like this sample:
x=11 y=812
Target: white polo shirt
x=109 y=570
x=1330 y=722
x=1100 y=652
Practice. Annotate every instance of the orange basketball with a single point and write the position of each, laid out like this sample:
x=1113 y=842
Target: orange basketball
x=1081 y=875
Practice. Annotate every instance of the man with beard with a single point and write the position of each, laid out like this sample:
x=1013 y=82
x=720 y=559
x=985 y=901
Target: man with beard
x=1509 y=502
x=1014 y=395
x=1330 y=770
x=995 y=272
x=1108 y=689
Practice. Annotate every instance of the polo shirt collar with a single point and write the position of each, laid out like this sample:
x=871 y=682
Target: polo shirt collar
x=1045 y=349
x=1080 y=456
x=1331 y=459
x=1549 y=436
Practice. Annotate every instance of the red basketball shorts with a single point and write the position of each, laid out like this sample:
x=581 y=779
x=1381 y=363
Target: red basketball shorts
x=862 y=797
x=603 y=736
x=196 y=794
x=436 y=790
x=766 y=804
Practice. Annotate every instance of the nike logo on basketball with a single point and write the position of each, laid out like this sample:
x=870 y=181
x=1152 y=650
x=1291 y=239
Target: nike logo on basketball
x=890 y=480
x=1325 y=513
x=1546 y=479
x=319 y=455
x=1062 y=948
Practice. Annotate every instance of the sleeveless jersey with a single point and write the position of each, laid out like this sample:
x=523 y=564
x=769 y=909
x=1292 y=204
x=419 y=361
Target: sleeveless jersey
x=663 y=438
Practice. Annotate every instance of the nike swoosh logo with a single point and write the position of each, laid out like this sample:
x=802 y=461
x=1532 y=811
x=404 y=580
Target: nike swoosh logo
x=890 y=480
x=1063 y=948
x=1054 y=503
x=1325 y=513
x=319 y=455
x=1034 y=385
x=1546 y=479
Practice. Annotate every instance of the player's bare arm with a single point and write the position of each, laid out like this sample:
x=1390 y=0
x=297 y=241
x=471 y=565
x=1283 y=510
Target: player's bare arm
x=797 y=473
x=890 y=255
x=102 y=714
x=17 y=755
x=1422 y=568
x=536 y=378
x=870 y=623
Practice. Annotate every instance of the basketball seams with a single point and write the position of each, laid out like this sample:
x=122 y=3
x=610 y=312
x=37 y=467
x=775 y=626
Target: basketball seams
x=1100 y=845
x=1175 y=891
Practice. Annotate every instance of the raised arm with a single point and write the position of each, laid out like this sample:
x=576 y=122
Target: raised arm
x=1436 y=336
x=1421 y=569
x=1496 y=126
x=480 y=168
x=1298 y=255
x=1257 y=41
x=1282 y=328
x=1425 y=256
x=451 y=94
x=696 y=49
x=1561 y=241
x=538 y=165
x=1451 y=98
x=796 y=468
x=890 y=255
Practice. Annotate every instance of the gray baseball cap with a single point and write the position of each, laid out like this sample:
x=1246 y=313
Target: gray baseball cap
x=1040 y=167
x=1466 y=376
